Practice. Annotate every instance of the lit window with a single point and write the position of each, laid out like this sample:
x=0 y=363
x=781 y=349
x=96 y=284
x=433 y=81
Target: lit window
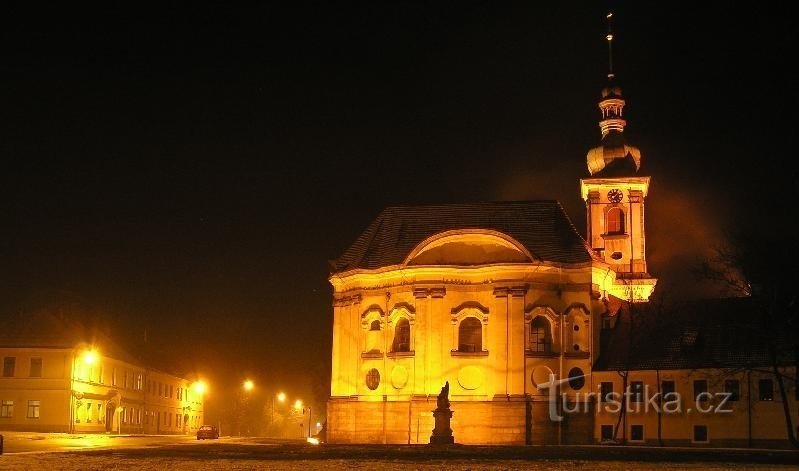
x=33 y=409
x=6 y=408
x=615 y=221
x=36 y=367
x=636 y=433
x=373 y=379
x=470 y=335
x=607 y=433
x=636 y=391
x=9 y=365
x=733 y=388
x=540 y=335
x=700 y=390
x=700 y=433
x=766 y=389
x=402 y=336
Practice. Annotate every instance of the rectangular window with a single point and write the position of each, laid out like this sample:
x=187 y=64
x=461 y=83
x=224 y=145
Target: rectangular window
x=636 y=433
x=607 y=433
x=700 y=433
x=88 y=412
x=668 y=391
x=6 y=408
x=125 y=379
x=733 y=388
x=636 y=391
x=605 y=391
x=9 y=365
x=139 y=382
x=99 y=412
x=36 y=367
x=160 y=389
x=766 y=389
x=700 y=390
x=33 y=409
x=170 y=391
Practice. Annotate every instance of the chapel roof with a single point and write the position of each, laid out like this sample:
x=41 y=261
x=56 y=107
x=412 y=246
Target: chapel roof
x=542 y=227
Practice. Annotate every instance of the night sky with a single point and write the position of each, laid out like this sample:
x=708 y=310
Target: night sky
x=189 y=171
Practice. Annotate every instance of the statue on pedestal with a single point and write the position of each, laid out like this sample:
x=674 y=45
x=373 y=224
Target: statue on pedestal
x=442 y=433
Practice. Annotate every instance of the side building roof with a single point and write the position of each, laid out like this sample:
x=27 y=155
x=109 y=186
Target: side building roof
x=727 y=333
x=541 y=226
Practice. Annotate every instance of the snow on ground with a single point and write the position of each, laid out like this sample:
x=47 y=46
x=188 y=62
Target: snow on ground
x=81 y=461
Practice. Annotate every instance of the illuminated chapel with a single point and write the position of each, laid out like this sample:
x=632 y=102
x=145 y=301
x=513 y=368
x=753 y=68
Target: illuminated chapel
x=491 y=297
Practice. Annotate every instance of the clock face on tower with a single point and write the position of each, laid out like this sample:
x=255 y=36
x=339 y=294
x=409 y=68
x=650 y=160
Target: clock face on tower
x=614 y=195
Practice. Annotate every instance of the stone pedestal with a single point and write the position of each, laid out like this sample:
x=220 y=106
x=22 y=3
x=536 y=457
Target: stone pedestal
x=442 y=433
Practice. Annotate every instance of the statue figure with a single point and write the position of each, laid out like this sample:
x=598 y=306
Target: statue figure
x=442 y=433
x=443 y=397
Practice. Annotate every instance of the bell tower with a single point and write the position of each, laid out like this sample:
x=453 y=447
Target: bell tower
x=614 y=195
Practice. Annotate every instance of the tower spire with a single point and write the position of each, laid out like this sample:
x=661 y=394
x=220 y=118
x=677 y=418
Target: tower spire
x=609 y=37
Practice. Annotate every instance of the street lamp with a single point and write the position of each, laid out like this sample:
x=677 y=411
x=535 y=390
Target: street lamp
x=281 y=397
x=200 y=387
x=248 y=385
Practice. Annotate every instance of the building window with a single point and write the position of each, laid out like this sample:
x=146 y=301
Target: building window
x=733 y=388
x=36 y=367
x=160 y=389
x=373 y=379
x=766 y=389
x=9 y=365
x=667 y=390
x=700 y=433
x=636 y=433
x=700 y=390
x=540 y=335
x=6 y=408
x=125 y=379
x=606 y=433
x=113 y=376
x=470 y=335
x=636 y=391
x=402 y=336
x=139 y=382
x=374 y=326
x=99 y=412
x=88 y=412
x=605 y=391
x=100 y=374
x=615 y=221
x=576 y=378
x=171 y=391
x=33 y=409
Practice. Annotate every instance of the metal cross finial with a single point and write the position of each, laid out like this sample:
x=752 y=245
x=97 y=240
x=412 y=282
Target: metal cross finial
x=609 y=37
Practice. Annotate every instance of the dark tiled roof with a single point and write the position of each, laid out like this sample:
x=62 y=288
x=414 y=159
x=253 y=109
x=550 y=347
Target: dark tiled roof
x=541 y=226
x=714 y=333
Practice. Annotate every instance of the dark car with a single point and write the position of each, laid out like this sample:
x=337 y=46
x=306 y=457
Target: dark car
x=207 y=431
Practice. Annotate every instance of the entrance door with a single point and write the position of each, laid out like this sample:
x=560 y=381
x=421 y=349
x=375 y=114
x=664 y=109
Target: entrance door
x=109 y=416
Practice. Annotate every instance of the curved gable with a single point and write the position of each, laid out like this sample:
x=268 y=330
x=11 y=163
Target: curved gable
x=468 y=247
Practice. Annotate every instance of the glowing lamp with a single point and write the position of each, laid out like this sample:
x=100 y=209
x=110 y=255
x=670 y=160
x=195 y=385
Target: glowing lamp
x=281 y=397
x=89 y=357
x=200 y=387
x=249 y=385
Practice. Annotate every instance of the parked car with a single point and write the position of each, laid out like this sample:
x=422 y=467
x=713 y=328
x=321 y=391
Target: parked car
x=207 y=431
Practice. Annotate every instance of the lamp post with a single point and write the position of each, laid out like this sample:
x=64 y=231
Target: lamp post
x=281 y=397
x=247 y=386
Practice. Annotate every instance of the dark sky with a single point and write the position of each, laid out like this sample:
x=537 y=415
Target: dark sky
x=190 y=170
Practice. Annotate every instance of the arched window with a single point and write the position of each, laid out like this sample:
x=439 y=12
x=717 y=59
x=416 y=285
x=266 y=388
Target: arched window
x=375 y=325
x=470 y=335
x=615 y=221
x=540 y=335
x=402 y=336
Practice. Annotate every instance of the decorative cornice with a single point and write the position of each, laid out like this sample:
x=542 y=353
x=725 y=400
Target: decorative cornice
x=429 y=292
x=404 y=305
x=467 y=305
x=517 y=291
x=372 y=308
x=347 y=300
